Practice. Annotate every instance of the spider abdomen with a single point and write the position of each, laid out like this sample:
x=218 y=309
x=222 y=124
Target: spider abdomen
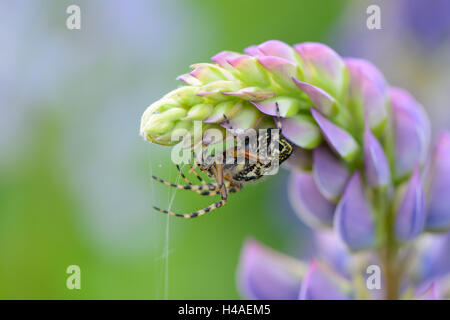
x=250 y=171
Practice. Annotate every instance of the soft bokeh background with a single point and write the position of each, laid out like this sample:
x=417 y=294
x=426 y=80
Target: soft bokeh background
x=75 y=177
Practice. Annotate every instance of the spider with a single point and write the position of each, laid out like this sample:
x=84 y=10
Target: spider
x=230 y=178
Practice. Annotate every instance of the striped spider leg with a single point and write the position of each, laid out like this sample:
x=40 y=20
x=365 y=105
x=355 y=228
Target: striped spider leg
x=227 y=178
x=223 y=185
x=209 y=192
x=201 y=157
x=220 y=187
x=275 y=152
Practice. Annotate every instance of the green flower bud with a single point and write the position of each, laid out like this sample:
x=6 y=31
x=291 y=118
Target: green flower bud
x=162 y=122
x=186 y=95
x=199 y=112
x=207 y=72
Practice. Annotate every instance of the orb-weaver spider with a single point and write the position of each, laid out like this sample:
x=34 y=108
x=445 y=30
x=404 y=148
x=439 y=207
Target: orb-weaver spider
x=229 y=178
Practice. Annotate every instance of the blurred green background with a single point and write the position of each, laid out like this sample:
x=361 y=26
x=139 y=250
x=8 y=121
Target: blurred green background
x=75 y=176
x=75 y=184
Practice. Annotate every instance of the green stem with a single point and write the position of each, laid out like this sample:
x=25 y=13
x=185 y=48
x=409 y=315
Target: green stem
x=389 y=247
x=388 y=256
x=386 y=243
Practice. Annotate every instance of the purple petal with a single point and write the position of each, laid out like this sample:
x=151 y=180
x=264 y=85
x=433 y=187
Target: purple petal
x=320 y=98
x=376 y=165
x=353 y=218
x=207 y=73
x=402 y=99
x=288 y=106
x=330 y=174
x=333 y=251
x=189 y=80
x=323 y=67
x=410 y=217
x=264 y=274
x=339 y=140
x=251 y=93
x=222 y=58
x=278 y=49
x=302 y=131
x=438 y=217
x=319 y=284
x=253 y=51
x=281 y=69
x=249 y=70
x=266 y=106
x=368 y=93
x=412 y=132
x=228 y=108
x=307 y=201
x=213 y=90
x=363 y=70
x=430 y=292
x=435 y=258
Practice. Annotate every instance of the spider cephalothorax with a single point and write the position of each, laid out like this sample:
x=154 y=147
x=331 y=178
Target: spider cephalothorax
x=229 y=176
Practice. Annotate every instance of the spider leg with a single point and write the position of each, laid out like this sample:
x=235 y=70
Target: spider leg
x=258 y=121
x=278 y=118
x=202 y=181
x=248 y=155
x=212 y=189
x=195 y=146
x=218 y=173
x=194 y=187
x=196 y=174
x=194 y=165
x=258 y=157
x=196 y=213
x=233 y=183
x=227 y=121
x=230 y=189
x=182 y=175
x=199 y=159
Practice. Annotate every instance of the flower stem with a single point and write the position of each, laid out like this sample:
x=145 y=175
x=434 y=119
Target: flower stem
x=389 y=259
x=388 y=247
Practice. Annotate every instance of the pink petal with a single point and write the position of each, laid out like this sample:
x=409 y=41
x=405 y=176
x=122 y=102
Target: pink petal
x=320 y=98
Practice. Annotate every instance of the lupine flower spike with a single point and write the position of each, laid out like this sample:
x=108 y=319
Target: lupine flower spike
x=359 y=152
